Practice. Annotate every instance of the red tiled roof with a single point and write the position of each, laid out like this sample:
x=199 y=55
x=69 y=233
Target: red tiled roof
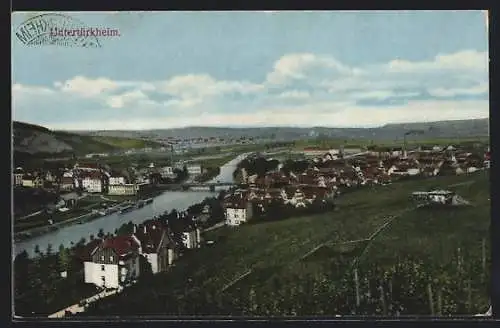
x=122 y=245
x=235 y=201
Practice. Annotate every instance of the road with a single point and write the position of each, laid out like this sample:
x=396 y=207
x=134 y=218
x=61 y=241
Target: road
x=216 y=226
x=30 y=215
x=77 y=308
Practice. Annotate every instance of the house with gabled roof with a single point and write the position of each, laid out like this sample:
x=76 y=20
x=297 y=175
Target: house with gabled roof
x=237 y=210
x=157 y=245
x=112 y=262
x=191 y=234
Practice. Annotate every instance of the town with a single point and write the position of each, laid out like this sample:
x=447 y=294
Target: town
x=267 y=189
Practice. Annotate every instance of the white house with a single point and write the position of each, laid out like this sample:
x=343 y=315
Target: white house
x=92 y=184
x=32 y=181
x=90 y=181
x=191 y=237
x=117 y=180
x=113 y=262
x=123 y=189
x=167 y=172
x=18 y=176
x=237 y=210
x=194 y=169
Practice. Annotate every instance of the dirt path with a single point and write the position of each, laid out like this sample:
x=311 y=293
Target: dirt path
x=461 y=184
x=232 y=283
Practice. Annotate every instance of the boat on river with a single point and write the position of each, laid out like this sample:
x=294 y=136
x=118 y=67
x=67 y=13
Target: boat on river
x=140 y=204
x=126 y=209
x=149 y=201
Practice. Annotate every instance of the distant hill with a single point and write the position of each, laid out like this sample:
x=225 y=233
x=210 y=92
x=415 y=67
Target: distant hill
x=440 y=129
x=32 y=139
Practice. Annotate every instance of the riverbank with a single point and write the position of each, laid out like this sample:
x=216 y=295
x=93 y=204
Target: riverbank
x=88 y=215
x=72 y=233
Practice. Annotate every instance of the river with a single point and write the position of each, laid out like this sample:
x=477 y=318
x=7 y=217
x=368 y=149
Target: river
x=164 y=202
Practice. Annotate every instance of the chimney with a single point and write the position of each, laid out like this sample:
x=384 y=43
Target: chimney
x=144 y=229
x=135 y=228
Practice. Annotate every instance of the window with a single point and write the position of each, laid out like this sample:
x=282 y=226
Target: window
x=111 y=258
x=102 y=267
x=102 y=257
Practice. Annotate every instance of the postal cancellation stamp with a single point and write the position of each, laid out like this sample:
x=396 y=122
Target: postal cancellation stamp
x=61 y=30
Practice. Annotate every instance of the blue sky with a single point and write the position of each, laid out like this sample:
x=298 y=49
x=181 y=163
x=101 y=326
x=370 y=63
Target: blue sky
x=172 y=69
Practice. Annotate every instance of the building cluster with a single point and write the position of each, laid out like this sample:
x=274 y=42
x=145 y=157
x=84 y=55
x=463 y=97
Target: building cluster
x=332 y=171
x=97 y=179
x=117 y=261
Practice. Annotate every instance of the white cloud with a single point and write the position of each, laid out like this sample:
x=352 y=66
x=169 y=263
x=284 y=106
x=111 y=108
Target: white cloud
x=381 y=94
x=294 y=94
x=87 y=87
x=120 y=101
x=182 y=103
x=18 y=90
x=203 y=85
x=307 y=115
x=299 y=66
x=463 y=60
x=475 y=90
x=329 y=93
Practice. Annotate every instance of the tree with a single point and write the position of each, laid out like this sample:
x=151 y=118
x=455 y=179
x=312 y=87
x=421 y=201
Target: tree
x=64 y=258
x=49 y=249
x=37 y=250
x=100 y=234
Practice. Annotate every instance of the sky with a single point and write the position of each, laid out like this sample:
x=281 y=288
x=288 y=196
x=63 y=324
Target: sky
x=290 y=68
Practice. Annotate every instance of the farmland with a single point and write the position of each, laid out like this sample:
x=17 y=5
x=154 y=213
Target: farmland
x=375 y=254
x=411 y=142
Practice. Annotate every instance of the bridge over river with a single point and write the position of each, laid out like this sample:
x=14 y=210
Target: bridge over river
x=200 y=186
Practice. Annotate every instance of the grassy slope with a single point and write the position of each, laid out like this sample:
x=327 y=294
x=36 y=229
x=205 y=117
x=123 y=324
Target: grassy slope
x=82 y=144
x=273 y=249
x=127 y=143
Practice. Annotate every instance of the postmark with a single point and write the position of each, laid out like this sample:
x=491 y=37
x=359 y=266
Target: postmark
x=58 y=30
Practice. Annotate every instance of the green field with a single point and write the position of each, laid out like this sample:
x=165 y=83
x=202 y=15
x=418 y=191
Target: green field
x=360 y=143
x=127 y=143
x=303 y=265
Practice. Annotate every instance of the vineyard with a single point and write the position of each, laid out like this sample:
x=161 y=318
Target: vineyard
x=377 y=254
